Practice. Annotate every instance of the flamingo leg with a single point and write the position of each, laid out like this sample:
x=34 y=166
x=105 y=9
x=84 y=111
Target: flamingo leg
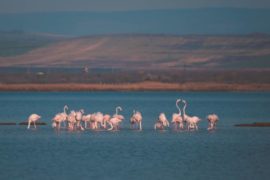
x=111 y=128
x=29 y=124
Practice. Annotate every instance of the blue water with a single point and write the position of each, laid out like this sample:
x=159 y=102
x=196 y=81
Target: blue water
x=227 y=153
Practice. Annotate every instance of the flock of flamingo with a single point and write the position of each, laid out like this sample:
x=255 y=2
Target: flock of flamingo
x=77 y=120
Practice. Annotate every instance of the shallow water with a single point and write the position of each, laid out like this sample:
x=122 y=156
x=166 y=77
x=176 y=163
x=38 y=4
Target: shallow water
x=227 y=153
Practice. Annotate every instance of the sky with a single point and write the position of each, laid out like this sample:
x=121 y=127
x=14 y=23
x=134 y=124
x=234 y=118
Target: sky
x=91 y=17
x=20 y=6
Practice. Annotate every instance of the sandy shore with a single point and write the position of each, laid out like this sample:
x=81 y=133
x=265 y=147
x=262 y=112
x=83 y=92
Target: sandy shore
x=142 y=86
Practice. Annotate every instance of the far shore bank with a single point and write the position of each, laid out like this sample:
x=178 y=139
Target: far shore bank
x=141 y=86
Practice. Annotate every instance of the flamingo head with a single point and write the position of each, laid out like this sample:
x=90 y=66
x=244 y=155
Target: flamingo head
x=119 y=108
x=178 y=100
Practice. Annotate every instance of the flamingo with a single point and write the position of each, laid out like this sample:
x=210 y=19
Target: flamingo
x=97 y=120
x=177 y=118
x=71 y=120
x=86 y=119
x=32 y=119
x=192 y=121
x=106 y=119
x=115 y=121
x=212 y=119
x=60 y=117
x=136 y=118
x=78 y=117
x=162 y=122
x=117 y=109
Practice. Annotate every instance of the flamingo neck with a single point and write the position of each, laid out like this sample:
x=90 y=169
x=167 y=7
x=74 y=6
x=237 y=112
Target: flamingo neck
x=117 y=110
x=179 y=110
x=184 y=111
x=65 y=110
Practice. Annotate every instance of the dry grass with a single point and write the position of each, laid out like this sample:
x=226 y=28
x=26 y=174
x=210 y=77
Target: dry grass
x=143 y=86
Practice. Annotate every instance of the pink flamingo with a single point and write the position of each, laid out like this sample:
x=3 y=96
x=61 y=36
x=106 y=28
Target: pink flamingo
x=78 y=116
x=97 y=120
x=106 y=119
x=192 y=121
x=86 y=119
x=136 y=118
x=32 y=119
x=115 y=121
x=60 y=117
x=177 y=118
x=71 y=120
x=162 y=122
x=212 y=119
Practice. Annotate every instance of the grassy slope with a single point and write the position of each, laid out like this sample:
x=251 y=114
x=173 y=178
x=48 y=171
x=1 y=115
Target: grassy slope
x=147 y=51
x=14 y=43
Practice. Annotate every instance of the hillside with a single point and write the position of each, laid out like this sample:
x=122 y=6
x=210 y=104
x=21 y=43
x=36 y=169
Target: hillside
x=149 y=52
x=19 y=42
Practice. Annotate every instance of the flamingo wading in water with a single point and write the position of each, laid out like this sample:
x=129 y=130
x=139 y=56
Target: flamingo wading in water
x=162 y=122
x=60 y=118
x=212 y=121
x=192 y=121
x=136 y=118
x=32 y=119
x=115 y=121
x=177 y=119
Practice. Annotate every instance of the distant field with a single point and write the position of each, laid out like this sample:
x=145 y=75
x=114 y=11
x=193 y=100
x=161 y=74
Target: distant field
x=206 y=60
x=140 y=51
x=18 y=42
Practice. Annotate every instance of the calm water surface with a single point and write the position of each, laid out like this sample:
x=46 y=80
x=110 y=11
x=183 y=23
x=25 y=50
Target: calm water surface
x=227 y=153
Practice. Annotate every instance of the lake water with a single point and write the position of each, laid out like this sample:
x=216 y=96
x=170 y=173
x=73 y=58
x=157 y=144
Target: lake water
x=227 y=153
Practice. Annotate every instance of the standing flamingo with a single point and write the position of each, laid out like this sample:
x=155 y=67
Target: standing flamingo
x=162 y=122
x=115 y=121
x=86 y=119
x=71 y=120
x=212 y=119
x=32 y=119
x=79 y=115
x=60 y=118
x=106 y=119
x=97 y=120
x=192 y=122
x=177 y=118
x=136 y=118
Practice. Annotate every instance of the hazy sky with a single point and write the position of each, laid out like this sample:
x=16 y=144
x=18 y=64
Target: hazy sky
x=122 y=5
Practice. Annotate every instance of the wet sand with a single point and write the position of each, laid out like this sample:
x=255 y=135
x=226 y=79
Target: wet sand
x=142 y=86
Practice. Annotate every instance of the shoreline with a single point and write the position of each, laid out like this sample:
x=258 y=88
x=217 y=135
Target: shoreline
x=140 y=86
